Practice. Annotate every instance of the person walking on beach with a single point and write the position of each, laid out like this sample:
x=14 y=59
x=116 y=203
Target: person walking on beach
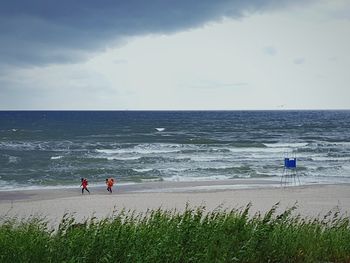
x=84 y=184
x=109 y=183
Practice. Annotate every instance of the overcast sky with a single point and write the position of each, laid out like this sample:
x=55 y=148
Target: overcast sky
x=174 y=54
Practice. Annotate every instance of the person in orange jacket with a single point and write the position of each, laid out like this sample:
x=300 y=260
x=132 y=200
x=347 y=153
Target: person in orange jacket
x=109 y=183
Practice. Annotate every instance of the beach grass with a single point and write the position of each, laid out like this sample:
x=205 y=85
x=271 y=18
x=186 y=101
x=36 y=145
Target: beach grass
x=192 y=235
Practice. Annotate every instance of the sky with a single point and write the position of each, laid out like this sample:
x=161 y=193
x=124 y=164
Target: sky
x=174 y=55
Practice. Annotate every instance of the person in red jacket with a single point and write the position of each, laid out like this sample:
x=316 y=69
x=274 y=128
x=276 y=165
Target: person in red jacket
x=84 y=184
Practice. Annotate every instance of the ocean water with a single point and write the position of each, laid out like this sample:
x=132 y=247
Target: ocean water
x=57 y=148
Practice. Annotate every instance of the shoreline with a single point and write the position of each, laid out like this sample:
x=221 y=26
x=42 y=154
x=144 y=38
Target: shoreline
x=311 y=200
x=144 y=187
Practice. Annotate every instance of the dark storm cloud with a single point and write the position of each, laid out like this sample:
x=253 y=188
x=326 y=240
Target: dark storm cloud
x=36 y=32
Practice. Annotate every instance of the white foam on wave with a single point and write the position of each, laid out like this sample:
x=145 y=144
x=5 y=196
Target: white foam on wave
x=329 y=158
x=4 y=185
x=286 y=145
x=144 y=149
x=142 y=170
x=209 y=158
x=13 y=159
x=258 y=150
x=201 y=168
x=35 y=145
x=326 y=143
x=173 y=169
x=108 y=151
x=56 y=157
x=160 y=129
x=151 y=180
x=17 y=146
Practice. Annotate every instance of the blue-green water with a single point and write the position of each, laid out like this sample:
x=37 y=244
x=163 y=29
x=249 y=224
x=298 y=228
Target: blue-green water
x=55 y=148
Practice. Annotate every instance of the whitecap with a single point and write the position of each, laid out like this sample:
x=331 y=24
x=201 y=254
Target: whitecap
x=330 y=158
x=142 y=170
x=56 y=157
x=286 y=145
x=160 y=129
x=173 y=169
x=144 y=149
x=14 y=159
x=17 y=146
x=259 y=150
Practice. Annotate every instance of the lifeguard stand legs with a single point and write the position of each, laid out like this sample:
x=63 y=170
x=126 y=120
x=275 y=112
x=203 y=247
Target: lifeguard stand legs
x=290 y=176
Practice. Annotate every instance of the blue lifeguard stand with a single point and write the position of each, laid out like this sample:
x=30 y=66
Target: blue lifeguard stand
x=290 y=174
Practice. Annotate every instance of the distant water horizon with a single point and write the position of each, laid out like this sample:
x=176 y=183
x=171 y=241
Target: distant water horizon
x=40 y=149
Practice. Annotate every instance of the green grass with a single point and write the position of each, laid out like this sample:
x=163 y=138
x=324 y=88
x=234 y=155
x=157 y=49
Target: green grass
x=194 y=235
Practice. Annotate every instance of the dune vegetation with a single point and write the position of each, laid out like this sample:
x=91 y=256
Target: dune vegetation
x=192 y=235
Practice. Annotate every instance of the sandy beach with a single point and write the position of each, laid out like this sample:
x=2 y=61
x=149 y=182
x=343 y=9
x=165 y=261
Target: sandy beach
x=312 y=200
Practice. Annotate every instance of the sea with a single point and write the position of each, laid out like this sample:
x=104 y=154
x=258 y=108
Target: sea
x=54 y=149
